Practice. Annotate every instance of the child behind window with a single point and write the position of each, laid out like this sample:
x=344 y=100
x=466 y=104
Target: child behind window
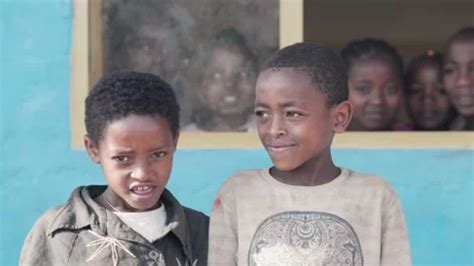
x=426 y=100
x=225 y=90
x=375 y=84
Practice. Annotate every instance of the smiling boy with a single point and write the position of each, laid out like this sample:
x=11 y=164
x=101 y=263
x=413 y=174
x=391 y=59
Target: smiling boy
x=304 y=210
x=132 y=123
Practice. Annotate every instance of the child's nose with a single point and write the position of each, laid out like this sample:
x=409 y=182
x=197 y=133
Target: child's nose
x=464 y=78
x=141 y=172
x=277 y=127
x=377 y=97
x=230 y=82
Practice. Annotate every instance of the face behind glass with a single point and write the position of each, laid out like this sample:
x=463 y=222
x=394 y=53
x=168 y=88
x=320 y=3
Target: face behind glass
x=136 y=156
x=458 y=76
x=293 y=121
x=228 y=83
x=154 y=49
x=427 y=102
x=375 y=93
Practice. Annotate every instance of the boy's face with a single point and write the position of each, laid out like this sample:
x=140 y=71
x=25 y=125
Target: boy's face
x=136 y=156
x=293 y=121
x=459 y=76
x=426 y=98
x=228 y=83
x=375 y=93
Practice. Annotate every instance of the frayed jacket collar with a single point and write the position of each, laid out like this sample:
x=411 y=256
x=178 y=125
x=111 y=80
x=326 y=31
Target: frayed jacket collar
x=81 y=212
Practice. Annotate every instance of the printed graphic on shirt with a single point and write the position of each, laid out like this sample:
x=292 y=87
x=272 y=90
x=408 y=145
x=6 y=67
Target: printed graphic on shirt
x=305 y=238
x=153 y=257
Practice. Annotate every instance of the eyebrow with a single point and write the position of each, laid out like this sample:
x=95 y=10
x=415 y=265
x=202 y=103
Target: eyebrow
x=284 y=104
x=368 y=81
x=120 y=150
x=450 y=62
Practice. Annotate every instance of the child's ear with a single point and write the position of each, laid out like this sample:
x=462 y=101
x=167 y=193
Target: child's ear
x=342 y=114
x=92 y=149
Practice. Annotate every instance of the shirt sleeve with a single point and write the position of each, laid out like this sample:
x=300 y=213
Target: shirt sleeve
x=395 y=248
x=223 y=240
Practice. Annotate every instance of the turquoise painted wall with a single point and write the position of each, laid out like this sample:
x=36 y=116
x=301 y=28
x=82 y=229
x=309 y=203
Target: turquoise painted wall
x=39 y=170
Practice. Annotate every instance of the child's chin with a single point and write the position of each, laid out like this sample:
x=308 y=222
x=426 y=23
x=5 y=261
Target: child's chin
x=283 y=167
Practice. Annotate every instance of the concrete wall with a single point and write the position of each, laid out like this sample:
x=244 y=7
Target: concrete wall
x=38 y=169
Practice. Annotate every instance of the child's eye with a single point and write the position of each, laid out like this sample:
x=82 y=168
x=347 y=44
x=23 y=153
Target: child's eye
x=158 y=154
x=121 y=158
x=363 y=90
x=471 y=69
x=293 y=114
x=391 y=89
x=260 y=113
x=447 y=70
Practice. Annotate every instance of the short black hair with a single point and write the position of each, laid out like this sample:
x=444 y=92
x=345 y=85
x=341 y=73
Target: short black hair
x=228 y=38
x=429 y=57
x=464 y=34
x=325 y=67
x=371 y=48
x=123 y=93
x=232 y=37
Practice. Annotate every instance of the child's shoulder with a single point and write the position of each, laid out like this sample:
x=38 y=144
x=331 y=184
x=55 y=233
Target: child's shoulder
x=245 y=177
x=198 y=224
x=72 y=214
x=244 y=174
x=371 y=184
x=191 y=215
x=368 y=180
x=49 y=216
x=242 y=180
x=195 y=215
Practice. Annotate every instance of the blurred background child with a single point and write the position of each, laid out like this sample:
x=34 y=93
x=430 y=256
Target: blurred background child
x=375 y=71
x=225 y=93
x=142 y=37
x=425 y=97
x=458 y=76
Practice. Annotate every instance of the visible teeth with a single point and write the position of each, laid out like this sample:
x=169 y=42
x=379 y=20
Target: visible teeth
x=142 y=188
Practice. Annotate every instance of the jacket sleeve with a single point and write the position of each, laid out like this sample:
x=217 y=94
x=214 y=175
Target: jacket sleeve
x=223 y=229
x=39 y=247
x=395 y=248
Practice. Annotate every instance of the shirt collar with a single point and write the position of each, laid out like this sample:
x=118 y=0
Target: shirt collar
x=81 y=211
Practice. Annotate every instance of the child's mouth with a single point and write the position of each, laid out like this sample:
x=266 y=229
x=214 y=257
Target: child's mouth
x=142 y=190
x=272 y=149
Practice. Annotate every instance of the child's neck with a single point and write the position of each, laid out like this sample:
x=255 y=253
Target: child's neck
x=308 y=174
x=116 y=205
